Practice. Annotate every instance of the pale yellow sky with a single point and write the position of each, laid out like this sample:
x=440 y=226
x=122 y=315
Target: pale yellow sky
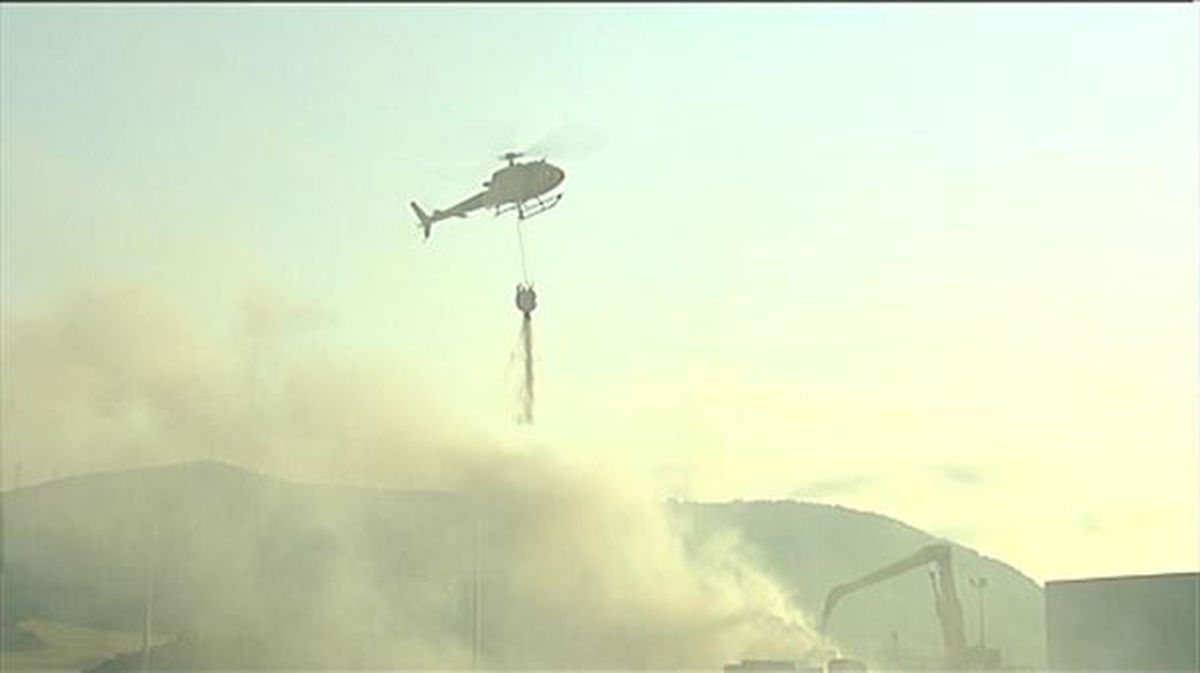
x=938 y=263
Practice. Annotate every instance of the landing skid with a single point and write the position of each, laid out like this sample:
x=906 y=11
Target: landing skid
x=528 y=209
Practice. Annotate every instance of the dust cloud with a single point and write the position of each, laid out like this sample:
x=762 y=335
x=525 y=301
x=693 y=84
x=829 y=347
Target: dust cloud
x=576 y=568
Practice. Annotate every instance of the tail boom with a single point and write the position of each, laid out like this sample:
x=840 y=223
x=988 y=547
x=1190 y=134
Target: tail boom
x=426 y=220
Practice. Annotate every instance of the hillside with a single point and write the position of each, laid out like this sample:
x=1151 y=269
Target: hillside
x=353 y=577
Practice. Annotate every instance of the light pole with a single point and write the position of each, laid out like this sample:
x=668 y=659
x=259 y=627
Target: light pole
x=980 y=583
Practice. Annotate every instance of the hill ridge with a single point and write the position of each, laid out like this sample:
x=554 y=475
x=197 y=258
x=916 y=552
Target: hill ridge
x=249 y=552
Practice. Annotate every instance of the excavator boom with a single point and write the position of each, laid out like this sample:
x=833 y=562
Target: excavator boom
x=949 y=609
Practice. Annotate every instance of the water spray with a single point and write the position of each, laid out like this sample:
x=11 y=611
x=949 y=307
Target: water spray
x=527 y=301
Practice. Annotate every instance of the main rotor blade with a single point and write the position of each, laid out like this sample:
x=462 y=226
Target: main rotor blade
x=567 y=141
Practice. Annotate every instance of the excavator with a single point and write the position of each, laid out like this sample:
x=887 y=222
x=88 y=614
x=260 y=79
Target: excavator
x=949 y=610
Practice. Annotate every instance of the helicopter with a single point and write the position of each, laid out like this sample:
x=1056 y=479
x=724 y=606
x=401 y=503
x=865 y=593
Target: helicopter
x=517 y=186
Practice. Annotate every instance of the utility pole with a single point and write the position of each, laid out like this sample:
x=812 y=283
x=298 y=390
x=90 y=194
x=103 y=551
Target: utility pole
x=3 y=559
x=980 y=583
x=148 y=606
x=477 y=592
x=4 y=626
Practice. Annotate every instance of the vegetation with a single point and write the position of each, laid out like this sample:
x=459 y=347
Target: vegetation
x=60 y=646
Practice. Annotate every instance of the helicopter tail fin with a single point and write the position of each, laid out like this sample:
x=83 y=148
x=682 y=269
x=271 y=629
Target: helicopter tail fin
x=426 y=220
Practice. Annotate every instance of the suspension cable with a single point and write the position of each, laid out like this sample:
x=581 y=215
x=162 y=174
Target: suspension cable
x=521 y=245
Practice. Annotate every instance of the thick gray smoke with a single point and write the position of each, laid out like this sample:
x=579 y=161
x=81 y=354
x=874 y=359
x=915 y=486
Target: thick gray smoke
x=578 y=569
x=119 y=376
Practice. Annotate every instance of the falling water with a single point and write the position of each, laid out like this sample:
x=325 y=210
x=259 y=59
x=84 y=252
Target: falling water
x=526 y=303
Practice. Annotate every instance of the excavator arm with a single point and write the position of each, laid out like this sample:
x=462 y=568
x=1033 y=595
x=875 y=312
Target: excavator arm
x=949 y=609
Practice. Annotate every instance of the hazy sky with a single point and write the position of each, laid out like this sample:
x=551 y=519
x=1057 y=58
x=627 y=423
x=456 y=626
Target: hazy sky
x=934 y=261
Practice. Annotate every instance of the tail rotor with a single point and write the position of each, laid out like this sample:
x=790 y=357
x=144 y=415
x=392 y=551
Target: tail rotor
x=426 y=221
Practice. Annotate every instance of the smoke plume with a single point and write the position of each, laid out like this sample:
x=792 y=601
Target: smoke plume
x=576 y=568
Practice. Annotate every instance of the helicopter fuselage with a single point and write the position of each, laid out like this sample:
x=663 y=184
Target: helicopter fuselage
x=519 y=183
x=513 y=187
